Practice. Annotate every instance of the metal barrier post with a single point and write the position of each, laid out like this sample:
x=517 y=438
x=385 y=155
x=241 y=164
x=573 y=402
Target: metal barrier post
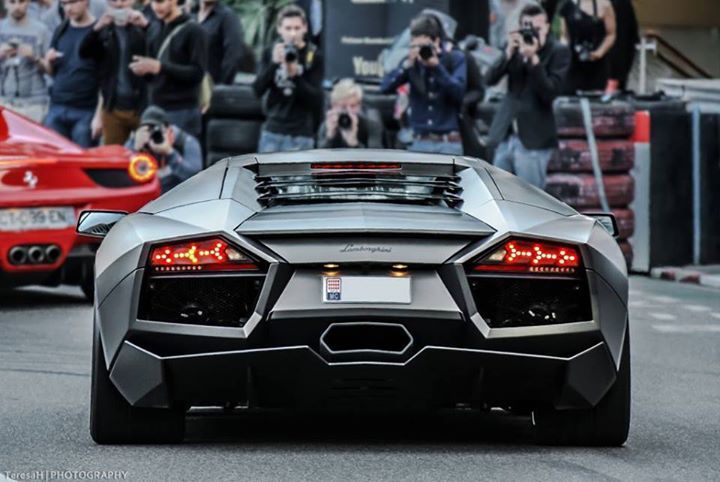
x=696 y=182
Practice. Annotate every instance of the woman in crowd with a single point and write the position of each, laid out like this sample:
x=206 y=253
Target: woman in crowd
x=589 y=28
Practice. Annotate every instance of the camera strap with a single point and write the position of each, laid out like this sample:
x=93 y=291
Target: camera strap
x=168 y=39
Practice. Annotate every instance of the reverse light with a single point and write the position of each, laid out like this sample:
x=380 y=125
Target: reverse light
x=142 y=168
x=204 y=255
x=520 y=256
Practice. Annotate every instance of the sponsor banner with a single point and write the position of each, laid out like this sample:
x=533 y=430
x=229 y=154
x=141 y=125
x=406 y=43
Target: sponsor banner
x=356 y=32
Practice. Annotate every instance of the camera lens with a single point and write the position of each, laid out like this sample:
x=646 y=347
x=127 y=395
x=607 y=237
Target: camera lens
x=157 y=136
x=291 y=54
x=344 y=121
x=426 y=52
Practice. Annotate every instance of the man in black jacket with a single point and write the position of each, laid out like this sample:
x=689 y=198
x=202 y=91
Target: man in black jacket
x=175 y=65
x=290 y=78
x=524 y=128
x=113 y=41
x=225 y=40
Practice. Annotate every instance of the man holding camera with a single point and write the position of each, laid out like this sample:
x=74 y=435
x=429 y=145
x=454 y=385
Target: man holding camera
x=113 y=41
x=437 y=81
x=290 y=78
x=523 y=129
x=178 y=153
x=23 y=43
x=347 y=124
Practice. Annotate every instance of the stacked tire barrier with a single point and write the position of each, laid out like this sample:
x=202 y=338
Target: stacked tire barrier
x=236 y=118
x=570 y=172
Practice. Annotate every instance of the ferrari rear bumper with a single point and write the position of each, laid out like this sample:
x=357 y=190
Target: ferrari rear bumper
x=300 y=378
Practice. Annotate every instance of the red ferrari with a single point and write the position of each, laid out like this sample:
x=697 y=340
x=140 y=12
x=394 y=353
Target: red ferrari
x=45 y=181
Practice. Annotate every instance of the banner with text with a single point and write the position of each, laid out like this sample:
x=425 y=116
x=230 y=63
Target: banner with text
x=355 y=33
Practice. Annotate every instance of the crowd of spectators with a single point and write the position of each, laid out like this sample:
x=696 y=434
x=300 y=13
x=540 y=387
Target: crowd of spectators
x=112 y=72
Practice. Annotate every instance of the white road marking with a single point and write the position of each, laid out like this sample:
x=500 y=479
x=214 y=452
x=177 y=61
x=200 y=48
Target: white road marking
x=663 y=316
x=638 y=303
x=687 y=328
x=664 y=299
x=697 y=308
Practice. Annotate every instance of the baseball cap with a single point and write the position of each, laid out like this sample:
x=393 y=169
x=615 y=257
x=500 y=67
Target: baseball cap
x=154 y=116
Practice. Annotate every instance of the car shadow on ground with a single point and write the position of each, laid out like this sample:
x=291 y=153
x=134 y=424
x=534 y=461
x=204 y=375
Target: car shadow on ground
x=459 y=428
x=40 y=297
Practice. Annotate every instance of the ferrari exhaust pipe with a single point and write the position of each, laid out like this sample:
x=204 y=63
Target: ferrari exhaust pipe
x=35 y=254
x=52 y=253
x=18 y=255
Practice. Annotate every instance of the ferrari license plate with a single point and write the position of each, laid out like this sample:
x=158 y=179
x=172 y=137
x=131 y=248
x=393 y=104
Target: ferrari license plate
x=26 y=219
x=366 y=289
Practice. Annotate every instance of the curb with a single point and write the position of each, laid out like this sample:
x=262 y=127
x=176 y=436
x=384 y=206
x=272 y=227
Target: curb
x=686 y=275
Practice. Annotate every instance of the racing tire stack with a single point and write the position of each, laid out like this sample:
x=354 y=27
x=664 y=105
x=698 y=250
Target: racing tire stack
x=570 y=171
x=236 y=119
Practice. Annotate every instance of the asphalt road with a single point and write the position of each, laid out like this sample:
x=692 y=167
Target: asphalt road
x=45 y=340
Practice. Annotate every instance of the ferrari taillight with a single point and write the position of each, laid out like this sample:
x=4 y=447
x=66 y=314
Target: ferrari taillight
x=203 y=255
x=142 y=168
x=524 y=256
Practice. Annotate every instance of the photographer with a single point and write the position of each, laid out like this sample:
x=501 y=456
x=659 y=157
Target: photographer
x=113 y=41
x=524 y=128
x=178 y=153
x=437 y=81
x=23 y=43
x=590 y=30
x=290 y=78
x=347 y=124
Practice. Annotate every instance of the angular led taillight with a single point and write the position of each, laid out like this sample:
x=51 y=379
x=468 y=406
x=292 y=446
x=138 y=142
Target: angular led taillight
x=203 y=255
x=523 y=256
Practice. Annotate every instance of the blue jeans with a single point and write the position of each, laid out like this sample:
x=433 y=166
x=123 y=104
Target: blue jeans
x=71 y=122
x=188 y=120
x=529 y=165
x=436 y=147
x=272 y=142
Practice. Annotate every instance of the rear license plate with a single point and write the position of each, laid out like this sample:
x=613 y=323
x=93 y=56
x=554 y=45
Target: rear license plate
x=26 y=219
x=366 y=289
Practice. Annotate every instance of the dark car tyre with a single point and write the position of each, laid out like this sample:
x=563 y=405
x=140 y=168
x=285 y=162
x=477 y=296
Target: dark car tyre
x=573 y=155
x=236 y=102
x=613 y=119
x=607 y=424
x=87 y=280
x=233 y=136
x=114 y=421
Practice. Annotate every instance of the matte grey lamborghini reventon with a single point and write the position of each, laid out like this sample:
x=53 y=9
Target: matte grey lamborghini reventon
x=345 y=280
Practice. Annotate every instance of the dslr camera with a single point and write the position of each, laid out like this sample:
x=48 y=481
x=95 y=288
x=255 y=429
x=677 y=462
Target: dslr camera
x=583 y=51
x=291 y=53
x=344 y=121
x=426 y=51
x=529 y=34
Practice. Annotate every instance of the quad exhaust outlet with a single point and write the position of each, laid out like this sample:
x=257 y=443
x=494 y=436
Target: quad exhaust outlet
x=30 y=254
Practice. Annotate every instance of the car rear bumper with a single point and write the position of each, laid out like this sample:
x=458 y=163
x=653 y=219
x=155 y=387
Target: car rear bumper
x=299 y=377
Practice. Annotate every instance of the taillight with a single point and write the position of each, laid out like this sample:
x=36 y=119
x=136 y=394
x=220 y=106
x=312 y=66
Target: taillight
x=142 y=168
x=203 y=255
x=523 y=256
x=355 y=166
